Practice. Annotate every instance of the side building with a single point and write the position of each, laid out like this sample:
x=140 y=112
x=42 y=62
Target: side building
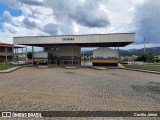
x=8 y=51
x=105 y=57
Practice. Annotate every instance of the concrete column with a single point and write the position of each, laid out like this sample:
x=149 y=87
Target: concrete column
x=22 y=54
x=118 y=53
x=6 y=58
x=17 y=53
x=6 y=53
x=83 y=59
x=72 y=55
x=26 y=53
x=44 y=49
x=13 y=52
x=17 y=50
x=6 y=50
x=32 y=54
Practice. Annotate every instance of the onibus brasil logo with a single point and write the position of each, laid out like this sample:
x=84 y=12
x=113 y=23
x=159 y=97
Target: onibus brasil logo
x=21 y=114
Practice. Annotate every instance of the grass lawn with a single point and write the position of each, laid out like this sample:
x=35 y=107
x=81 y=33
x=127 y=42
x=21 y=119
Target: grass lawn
x=144 y=67
x=4 y=66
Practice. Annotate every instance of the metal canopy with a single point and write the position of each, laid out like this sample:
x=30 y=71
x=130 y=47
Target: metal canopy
x=93 y=40
x=84 y=44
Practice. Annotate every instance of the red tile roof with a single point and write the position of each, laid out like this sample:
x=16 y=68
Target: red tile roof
x=9 y=45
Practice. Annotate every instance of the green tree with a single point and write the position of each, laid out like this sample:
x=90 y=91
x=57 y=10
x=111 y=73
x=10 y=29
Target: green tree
x=126 y=59
x=150 y=57
x=29 y=55
x=147 y=57
x=156 y=60
x=142 y=58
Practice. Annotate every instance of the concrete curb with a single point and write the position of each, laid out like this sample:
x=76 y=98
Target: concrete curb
x=120 y=65
x=70 y=67
x=140 y=70
x=43 y=66
x=100 y=68
x=10 y=69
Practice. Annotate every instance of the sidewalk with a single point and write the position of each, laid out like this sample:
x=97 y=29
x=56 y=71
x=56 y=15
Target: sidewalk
x=140 y=70
x=10 y=69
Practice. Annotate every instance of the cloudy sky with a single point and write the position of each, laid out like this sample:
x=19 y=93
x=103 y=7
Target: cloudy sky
x=65 y=17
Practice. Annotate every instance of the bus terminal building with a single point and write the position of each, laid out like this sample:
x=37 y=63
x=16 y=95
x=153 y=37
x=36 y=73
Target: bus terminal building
x=66 y=49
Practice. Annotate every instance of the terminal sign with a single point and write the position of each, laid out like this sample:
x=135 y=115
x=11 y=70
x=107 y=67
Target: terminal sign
x=67 y=39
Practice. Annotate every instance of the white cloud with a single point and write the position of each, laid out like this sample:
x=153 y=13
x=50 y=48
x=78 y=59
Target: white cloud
x=44 y=17
x=147 y=23
x=51 y=29
x=29 y=23
x=7 y=16
x=32 y=2
x=10 y=28
x=12 y=3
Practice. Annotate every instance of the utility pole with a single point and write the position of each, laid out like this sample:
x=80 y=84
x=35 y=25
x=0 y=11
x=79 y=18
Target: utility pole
x=145 y=48
x=144 y=45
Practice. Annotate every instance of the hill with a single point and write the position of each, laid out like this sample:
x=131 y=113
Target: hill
x=153 y=50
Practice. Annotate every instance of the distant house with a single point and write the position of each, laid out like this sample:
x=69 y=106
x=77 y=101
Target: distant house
x=157 y=56
x=6 y=51
x=129 y=58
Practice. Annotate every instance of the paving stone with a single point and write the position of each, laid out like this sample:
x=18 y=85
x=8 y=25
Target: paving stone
x=84 y=89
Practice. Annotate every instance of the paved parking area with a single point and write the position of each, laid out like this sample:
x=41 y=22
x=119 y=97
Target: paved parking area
x=30 y=88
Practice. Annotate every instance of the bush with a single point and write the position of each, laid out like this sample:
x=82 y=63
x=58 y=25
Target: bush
x=146 y=58
x=124 y=62
x=29 y=55
x=156 y=60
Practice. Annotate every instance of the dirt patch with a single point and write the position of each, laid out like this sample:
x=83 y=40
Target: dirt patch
x=70 y=72
x=114 y=74
x=153 y=87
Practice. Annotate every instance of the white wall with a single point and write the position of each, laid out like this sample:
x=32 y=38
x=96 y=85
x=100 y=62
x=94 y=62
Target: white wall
x=65 y=51
x=105 y=53
x=40 y=55
x=99 y=38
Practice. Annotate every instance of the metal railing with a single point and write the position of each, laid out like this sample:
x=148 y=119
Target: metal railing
x=70 y=62
x=54 y=62
x=65 y=62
